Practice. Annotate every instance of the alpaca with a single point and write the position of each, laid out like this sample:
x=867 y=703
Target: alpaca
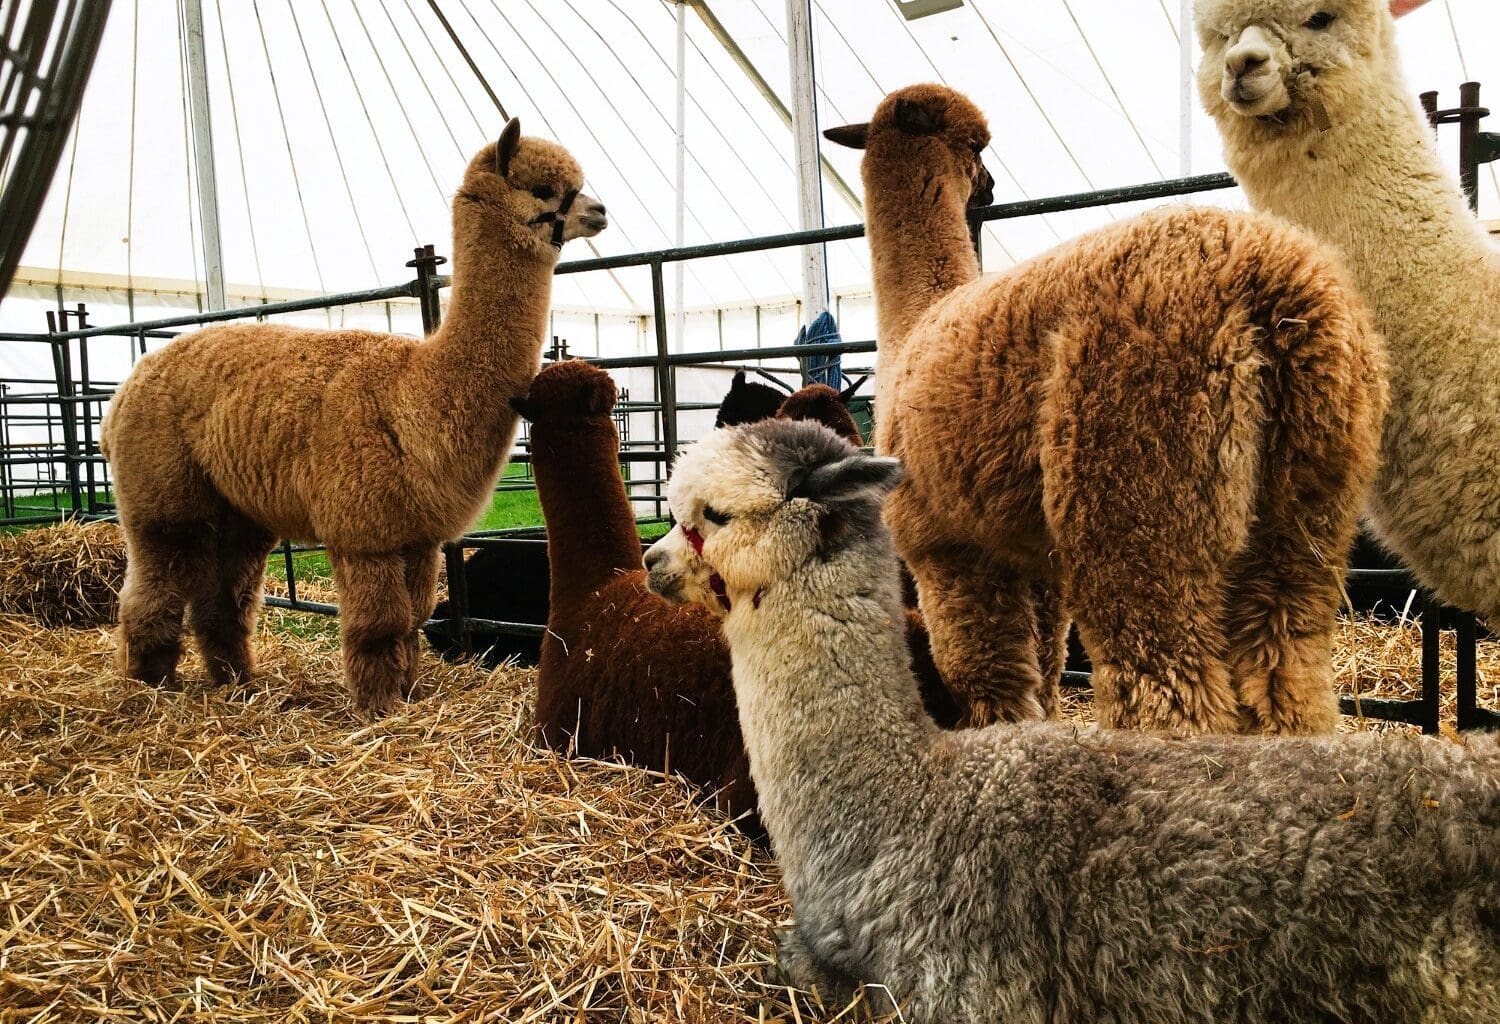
x=1046 y=872
x=1319 y=127
x=747 y=402
x=373 y=444
x=510 y=583
x=1171 y=420
x=624 y=673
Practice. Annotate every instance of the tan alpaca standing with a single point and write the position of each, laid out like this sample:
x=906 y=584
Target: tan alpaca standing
x=1174 y=418
x=1320 y=127
x=376 y=445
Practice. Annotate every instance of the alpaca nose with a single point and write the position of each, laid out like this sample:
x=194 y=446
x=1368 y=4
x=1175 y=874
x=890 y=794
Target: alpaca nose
x=597 y=208
x=1251 y=53
x=654 y=558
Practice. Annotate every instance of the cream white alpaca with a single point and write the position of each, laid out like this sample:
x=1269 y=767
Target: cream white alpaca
x=1320 y=127
x=1045 y=873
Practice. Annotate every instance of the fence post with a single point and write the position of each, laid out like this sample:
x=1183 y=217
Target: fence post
x=425 y=261
x=1432 y=634
x=666 y=380
x=62 y=366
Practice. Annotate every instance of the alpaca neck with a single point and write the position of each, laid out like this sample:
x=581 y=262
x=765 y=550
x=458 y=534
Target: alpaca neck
x=489 y=345
x=837 y=736
x=591 y=532
x=1374 y=186
x=920 y=248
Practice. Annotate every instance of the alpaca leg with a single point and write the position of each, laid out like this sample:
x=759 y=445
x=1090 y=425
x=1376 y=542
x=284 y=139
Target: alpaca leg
x=160 y=563
x=1052 y=625
x=1148 y=489
x=375 y=622
x=224 y=603
x=1281 y=614
x=983 y=638
x=421 y=584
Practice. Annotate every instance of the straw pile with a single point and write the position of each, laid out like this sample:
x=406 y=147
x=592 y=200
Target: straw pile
x=70 y=574
x=66 y=575
x=260 y=854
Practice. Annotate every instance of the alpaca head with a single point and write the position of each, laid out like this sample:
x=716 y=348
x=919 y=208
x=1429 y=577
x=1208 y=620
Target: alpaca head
x=819 y=403
x=925 y=126
x=747 y=402
x=762 y=504
x=568 y=393
x=1290 y=65
x=534 y=182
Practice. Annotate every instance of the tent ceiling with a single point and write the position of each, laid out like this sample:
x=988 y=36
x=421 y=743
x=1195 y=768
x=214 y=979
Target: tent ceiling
x=341 y=126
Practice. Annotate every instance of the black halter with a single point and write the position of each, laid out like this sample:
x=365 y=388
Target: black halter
x=558 y=217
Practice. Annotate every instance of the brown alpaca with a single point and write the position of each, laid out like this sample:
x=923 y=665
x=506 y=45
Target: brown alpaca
x=1174 y=419
x=625 y=673
x=376 y=445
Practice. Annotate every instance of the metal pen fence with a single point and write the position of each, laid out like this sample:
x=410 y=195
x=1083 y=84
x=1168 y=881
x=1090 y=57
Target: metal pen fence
x=69 y=468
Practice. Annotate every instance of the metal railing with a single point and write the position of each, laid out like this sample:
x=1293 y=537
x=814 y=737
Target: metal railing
x=78 y=401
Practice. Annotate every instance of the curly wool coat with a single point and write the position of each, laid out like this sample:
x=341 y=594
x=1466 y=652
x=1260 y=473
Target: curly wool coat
x=379 y=446
x=1175 y=419
x=1045 y=873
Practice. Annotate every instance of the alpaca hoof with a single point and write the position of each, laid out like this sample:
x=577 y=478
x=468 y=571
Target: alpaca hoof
x=152 y=667
x=799 y=968
x=230 y=671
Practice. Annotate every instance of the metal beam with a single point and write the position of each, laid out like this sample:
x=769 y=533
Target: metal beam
x=724 y=39
x=805 y=136
x=203 y=153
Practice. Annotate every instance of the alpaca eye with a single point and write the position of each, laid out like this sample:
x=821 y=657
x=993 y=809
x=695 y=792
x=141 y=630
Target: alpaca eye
x=716 y=517
x=543 y=192
x=1319 y=21
x=977 y=147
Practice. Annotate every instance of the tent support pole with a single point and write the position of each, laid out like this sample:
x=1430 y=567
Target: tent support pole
x=1185 y=96
x=809 y=174
x=203 y=153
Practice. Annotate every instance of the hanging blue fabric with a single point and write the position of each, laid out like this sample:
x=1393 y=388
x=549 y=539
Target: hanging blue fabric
x=823 y=368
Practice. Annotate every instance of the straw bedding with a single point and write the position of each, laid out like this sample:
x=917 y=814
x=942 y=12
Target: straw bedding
x=261 y=854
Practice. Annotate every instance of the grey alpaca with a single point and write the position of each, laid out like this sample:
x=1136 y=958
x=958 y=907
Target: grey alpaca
x=1046 y=872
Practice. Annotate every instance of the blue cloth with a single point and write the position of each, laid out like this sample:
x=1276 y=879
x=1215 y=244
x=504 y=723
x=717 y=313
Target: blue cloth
x=824 y=368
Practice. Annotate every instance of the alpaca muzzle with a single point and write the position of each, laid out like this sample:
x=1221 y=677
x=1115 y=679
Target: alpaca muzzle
x=715 y=581
x=558 y=218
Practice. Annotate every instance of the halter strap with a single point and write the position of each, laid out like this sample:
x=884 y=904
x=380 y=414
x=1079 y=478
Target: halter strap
x=558 y=217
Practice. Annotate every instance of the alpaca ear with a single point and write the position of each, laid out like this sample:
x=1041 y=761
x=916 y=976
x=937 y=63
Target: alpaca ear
x=852 y=135
x=914 y=118
x=854 y=477
x=847 y=395
x=522 y=405
x=505 y=149
x=737 y=384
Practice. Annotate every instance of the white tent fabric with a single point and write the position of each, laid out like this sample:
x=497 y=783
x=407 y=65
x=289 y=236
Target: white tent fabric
x=342 y=126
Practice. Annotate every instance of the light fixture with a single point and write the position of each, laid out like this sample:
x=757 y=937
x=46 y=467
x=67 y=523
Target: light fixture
x=911 y=10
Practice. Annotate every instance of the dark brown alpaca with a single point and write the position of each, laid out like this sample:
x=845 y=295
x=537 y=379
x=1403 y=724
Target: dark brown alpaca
x=625 y=673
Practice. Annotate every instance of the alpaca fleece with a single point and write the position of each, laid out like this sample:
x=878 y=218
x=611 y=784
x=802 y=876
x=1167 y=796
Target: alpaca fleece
x=623 y=672
x=1041 y=873
x=1172 y=420
x=1373 y=186
x=376 y=445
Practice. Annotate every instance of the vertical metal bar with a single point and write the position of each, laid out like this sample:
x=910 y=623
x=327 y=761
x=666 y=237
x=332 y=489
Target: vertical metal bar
x=805 y=137
x=1429 y=107
x=7 y=490
x=666 y=384
x=86 y=408
x=62 y=365
x=680 y=267
x=426 y=261
x=203 y=153
x=1185 y=87
x=291 y=571
x=1469 y=715
x=1431 y=678
x=1468 y=142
